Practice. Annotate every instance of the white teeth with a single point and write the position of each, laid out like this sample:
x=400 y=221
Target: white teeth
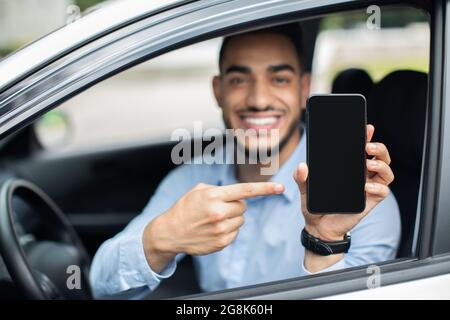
x=261 y=121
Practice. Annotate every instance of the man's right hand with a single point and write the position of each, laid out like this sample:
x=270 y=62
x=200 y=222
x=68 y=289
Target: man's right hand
x=206 y=219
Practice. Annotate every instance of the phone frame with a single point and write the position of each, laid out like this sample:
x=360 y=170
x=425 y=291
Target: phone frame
x=308 y=146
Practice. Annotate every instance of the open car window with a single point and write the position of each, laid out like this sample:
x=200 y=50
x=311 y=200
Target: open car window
x=379 y=53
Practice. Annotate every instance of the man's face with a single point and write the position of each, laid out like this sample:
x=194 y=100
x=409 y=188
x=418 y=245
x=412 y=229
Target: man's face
x=261 y=87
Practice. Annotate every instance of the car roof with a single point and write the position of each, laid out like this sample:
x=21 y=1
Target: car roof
x=109 y=16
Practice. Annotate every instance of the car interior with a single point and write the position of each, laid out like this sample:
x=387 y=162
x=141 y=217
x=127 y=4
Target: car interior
x=100 y=191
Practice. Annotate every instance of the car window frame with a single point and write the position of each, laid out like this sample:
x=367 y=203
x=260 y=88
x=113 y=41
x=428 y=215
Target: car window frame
x=441 y=239
x=318 y=285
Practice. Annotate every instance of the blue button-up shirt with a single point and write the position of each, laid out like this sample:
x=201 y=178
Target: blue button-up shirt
x=267 y=247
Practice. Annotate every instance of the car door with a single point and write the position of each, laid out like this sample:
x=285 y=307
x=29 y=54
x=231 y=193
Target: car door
x=160 y=31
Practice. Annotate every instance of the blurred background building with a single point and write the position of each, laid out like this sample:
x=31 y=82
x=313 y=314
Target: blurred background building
x=23 y=21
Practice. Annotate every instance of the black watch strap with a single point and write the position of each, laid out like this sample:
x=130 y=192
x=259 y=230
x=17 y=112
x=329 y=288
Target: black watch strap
x=324 y=248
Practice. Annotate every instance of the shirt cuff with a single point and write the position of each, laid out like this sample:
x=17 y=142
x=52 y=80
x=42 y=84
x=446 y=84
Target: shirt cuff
x=134 y=268
x=337 y=266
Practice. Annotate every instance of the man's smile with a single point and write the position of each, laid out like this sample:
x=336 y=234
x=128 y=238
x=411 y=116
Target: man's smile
x=261 y=120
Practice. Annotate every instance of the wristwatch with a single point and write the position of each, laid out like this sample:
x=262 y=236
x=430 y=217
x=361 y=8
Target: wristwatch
x=325 y=248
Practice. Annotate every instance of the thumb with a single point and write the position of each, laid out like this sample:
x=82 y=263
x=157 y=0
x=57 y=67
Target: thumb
x=300 y=176
x=370 y=131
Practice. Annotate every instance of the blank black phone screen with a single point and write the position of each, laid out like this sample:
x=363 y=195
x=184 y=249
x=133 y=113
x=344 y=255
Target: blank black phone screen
x=336 y=139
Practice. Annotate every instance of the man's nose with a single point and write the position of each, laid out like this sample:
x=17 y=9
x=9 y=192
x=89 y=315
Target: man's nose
x=259 y=95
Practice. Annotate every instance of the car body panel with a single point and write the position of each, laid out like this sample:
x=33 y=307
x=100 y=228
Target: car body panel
x=424 y=289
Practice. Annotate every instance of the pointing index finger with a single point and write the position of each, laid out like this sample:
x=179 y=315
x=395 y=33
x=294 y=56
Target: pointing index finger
x=241 y=191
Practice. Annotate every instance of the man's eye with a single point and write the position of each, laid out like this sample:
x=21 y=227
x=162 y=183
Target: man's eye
x=237 y=80
x=281 y=80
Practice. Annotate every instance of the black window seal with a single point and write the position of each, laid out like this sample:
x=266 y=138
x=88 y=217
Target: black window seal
x=441 y=240
x=430 y=170
x=336 y=282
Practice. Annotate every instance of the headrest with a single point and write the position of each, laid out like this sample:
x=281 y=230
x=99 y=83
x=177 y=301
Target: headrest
x=397 y=107
x=352 y=81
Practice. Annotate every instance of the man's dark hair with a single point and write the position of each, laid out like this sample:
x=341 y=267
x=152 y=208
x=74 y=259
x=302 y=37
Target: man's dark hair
x=292 y=30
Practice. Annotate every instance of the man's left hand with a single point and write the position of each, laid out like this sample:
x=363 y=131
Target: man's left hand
x=333 y=227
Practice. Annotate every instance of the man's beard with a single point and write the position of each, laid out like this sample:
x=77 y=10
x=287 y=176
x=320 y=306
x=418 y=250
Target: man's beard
x=270 y=151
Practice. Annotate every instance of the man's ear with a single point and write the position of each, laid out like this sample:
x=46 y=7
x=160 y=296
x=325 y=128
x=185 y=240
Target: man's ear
x=217 y=90
x=305 y=82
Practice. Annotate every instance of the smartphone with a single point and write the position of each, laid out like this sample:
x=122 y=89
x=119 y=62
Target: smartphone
x=336 y=157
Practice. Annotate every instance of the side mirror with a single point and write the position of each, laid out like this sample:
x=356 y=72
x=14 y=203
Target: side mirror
x=53 y=129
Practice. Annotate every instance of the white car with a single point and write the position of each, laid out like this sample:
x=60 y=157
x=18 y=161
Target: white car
x=101 y=187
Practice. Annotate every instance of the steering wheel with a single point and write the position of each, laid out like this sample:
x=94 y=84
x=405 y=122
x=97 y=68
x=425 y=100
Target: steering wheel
x=41 y=250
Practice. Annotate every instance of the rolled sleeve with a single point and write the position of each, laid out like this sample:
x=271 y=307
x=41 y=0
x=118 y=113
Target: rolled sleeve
x=120 y=263
x=134 y=268
x=337 y=266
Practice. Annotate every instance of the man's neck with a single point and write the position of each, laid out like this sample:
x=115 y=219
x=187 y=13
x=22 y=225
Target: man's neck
x=252 y=172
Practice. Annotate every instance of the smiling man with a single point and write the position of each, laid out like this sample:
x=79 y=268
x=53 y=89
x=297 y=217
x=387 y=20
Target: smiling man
x=240 y=226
